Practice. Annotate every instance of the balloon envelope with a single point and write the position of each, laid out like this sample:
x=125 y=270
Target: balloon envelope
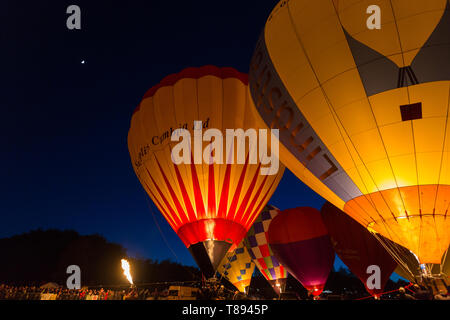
x=237 y=267
x=259 y=249
x=210 y=204
x=364 y=113
x=357 y=247
x=300 y=241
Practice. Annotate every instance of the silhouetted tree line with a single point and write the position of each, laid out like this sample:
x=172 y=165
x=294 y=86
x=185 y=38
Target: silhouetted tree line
x=40 y=256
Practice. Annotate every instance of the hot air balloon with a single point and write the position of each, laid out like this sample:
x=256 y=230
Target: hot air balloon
x=363 y=113
x=259 y=249
x=300 y=241
x=237 y=267
x=210 y=204
x=357 y=247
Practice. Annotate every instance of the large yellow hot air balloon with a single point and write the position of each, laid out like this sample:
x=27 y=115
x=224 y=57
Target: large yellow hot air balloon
x=237 y=267
x=210 y=204
x=364 y=113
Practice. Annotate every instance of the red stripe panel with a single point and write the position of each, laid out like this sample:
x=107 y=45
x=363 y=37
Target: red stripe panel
x=187 y=200
x=233 y=207
x=161 y=208
x=250 y=212
x=240 y=213
x=172 y=212
x=175 y=200
x=199 y=205
x=264 y=250
x=260 y=206
x=262 y=262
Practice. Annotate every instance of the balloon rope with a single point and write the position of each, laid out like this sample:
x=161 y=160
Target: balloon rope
x=164 y=238
x=160 y=231
x=443 y=262
x=395 y=255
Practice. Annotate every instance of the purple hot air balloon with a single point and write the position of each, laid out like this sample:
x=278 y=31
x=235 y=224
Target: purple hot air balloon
x=301 y=243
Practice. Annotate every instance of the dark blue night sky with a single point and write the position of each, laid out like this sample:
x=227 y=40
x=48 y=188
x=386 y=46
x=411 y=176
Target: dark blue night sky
x=64 y=157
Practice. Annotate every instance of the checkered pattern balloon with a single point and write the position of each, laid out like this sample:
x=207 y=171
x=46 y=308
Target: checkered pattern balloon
x=259 y=249
x=237 y=267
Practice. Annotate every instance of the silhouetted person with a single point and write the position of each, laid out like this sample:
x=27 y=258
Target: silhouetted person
x=402 y=295
x=421 y=293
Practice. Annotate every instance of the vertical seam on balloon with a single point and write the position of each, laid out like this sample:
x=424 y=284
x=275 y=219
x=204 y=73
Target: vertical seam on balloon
x=443 y=150
x=334 y=116
x=384 y=146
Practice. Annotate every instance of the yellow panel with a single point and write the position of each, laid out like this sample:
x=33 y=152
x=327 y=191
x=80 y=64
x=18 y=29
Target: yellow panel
x=428 y=164
x=318 y=21
x=354 y=90
x=398 y=138
x=386 y=105
x=381 y=172
x=340 y=149
x=356 y=117
x=308 y=14
x=329 y=132
x=429 y=134
x=445 y=170
x=369 y=182
x=415 y=30
x=369 y=146
x=325 y=62
x=356 y=177
x=317 y=99
x=404 y=168
x=447 y=136
x=433 y=96
x=288 y=56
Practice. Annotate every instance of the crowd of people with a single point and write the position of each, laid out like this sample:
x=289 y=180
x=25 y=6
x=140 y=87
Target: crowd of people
x=38 y=293
x=7 y=292
x=422 y=293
